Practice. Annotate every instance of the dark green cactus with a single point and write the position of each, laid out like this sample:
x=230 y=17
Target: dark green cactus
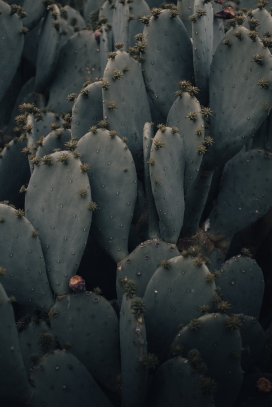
x=102 y=334
x=124 y=77
x=100 y=151
x=72 y=215
x=14 y=374
x=77 y=65
x=152 y=233
x=166 y=61
x=48 y=50
x=87 y=109
x=133 y=347
x=142 y=263
x=242 y=285
x=173 y=297
x=22 y=257
x=168 y=158
x=219 y=342
x=12 y=42
x=63 y=374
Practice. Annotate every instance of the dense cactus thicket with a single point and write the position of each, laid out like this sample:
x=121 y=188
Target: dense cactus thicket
x=135 y=203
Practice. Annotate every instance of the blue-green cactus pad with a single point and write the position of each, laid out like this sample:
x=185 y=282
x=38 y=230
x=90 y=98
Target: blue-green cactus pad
x=66 y=30
x=29 y=342
x=78 y=61
x=106 y=10
x=11 y=43
x=97 y=346
x=113 y=181
x=242 y=285
x=48 y=51
x=219 y=347
x=14 y=171
x=167 y=180
x=66 y=382
x=56 y=139
x=87 y=110
x=173 y=297
x=176 y=383
x=133 y=347
x=185 y=9
x=168 y=59
x=239 y=105
x=245 y=195
x=43 y=126
x=265 y=20
x=202 y=35
x=153 y=219
x=22 y=257
x=253 y=341
x=188 y=130
x=251 y=4
x=74 y=18
x=130 y=96
x=90 y=6
x=141 y=264
x=218 y=26
x=106 y=40
x=138 y=9
x=259 y=139
x=35 y=11
x=14 y=386
x=120 y=23
x=63 y=226
x=31 y=45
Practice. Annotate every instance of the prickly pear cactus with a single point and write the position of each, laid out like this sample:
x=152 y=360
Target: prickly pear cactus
x=55 y=141
x=137 y=9
x=185 y=9
x=13 y=163
x=65 y=374
x=141 y=264
x=23 y=272
x=177 y=382
x=34 y=11
x=173 y=291
x=120 y=22
x=219 y=342
x=202 y=36
x=78 y=61
x=12 y=42
x=243 y=65
x=166 y=61
x=10 y=357
x=185 y=113
x=87 y=110
x=242 y=285
x=126 y=115
x=133 y=347
x=102 y=333
x=109 y=161
x=60 y=174
x=135 y=142
x=243 y=204
x=253 y=341
x=31 y=340
x=168 y=152
x=153 y=219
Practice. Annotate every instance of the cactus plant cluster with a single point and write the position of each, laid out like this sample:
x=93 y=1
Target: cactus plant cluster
x=135 y=203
